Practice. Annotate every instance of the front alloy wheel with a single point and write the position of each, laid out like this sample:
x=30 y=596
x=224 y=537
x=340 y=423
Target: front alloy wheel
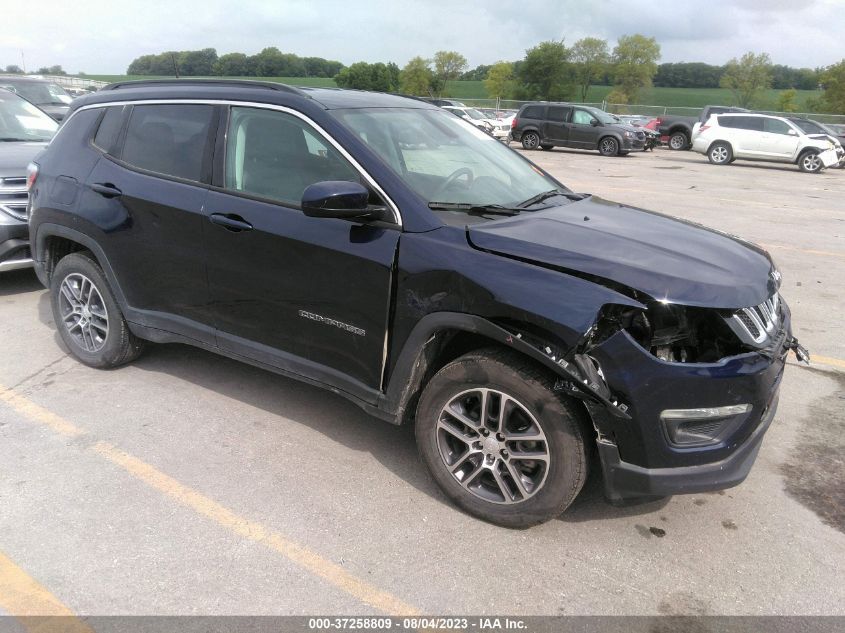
x=500 y=441
x=810 y=162
x=608 y=146
x=493 y=446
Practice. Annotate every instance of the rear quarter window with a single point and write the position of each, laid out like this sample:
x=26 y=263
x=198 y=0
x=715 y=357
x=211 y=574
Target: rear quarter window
x=169 y=139
x=109 y=129
x=533 y=112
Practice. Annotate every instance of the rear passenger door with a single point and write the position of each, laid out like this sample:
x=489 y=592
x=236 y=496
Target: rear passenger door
x=556 y=128
x=308 y=295
x=745 y=134
x=146 y=196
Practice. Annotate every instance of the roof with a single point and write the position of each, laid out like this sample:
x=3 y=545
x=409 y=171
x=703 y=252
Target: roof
x=248 y=90
x=7 y=79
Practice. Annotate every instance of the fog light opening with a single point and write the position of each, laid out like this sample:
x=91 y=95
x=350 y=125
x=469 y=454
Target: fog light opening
x=702 y=425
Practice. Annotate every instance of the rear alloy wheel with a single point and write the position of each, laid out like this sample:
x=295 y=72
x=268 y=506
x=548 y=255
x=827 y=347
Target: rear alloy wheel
x=720 y=154
x=530 y=140
x=608 y=146
x=499 y=441
x=678 y=141
x=810 y=162
x=87 y=315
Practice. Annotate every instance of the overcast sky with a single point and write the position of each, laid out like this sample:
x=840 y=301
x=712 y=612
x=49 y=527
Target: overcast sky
x=103 y=37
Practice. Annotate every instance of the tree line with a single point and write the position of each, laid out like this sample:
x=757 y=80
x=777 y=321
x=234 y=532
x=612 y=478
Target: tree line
x=270 y=62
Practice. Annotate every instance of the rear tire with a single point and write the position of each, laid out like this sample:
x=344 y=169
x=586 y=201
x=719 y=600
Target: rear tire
x=87 y=316
x=810 y=162
x=720 y=153
x=678 y=141
x=530 y=140
x=476 y=461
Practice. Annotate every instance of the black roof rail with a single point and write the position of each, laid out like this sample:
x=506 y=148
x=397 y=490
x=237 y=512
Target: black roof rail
x=233 y=83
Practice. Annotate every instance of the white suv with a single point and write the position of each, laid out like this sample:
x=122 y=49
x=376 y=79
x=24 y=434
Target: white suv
x=726 y=137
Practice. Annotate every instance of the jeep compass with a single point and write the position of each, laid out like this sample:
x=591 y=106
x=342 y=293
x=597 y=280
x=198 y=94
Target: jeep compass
x=384 y=249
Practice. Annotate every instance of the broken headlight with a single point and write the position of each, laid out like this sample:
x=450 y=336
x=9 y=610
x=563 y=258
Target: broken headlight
x=672 y=333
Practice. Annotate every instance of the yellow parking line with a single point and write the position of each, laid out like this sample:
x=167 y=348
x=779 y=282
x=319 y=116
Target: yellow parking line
x=38 y=413
x=26 y=599
x=825 y=360
x=803 y=250
x=241 y=526
x=302 y=556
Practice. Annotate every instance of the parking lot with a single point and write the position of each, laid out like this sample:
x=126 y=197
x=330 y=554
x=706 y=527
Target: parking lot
x=187 y=483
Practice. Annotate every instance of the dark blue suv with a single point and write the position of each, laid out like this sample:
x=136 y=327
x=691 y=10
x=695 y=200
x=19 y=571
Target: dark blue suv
x=384 y=249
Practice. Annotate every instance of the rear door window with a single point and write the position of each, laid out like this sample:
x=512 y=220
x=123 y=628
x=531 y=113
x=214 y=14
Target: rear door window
x=169 y=139
x=754 y=124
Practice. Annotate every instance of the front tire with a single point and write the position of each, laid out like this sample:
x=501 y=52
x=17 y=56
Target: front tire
x=810 y=162
x=678 y=141
x=608 y=146
x=520 y=463
x=720 y=154
x=530 y=140
x=87 y=315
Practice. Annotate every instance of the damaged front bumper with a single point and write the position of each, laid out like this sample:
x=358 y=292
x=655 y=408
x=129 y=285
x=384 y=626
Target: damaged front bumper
x=643 y=457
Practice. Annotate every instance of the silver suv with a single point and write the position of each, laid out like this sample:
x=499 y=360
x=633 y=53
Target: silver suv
x=24 y=132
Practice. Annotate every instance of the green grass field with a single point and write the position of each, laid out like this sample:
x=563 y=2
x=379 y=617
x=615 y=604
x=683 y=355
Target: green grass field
x=667 y=97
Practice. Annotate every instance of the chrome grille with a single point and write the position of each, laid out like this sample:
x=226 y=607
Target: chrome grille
x=758 y=322
x=13 y=197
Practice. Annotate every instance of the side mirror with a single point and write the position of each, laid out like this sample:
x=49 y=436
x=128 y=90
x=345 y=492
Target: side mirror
x=594 y=122
x=339 y=199
x=792 y=132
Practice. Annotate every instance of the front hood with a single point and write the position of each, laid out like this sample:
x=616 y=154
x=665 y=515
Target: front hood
x=666 y=258
x=14 y=157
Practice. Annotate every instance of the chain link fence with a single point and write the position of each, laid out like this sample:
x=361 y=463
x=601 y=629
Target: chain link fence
x=645 y=110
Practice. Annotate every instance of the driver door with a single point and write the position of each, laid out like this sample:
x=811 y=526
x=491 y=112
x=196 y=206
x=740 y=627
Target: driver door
x=583 y=134
x=309 y=295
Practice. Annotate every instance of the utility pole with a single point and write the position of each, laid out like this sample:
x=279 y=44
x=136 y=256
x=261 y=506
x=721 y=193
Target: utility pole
x=23 y=62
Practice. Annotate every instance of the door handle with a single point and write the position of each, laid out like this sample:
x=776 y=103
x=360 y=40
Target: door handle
x=106 y=189
x=230 y=222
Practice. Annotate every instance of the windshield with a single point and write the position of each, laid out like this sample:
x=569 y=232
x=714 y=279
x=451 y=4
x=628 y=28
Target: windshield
x=808 y=127
x=40 y=93
x=603 y=116
x=445 y=159
x=22 y=121
x=474 y=114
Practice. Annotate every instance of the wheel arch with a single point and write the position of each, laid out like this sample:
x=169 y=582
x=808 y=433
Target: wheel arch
x=723 y=142
x=441 y=337
x=54 y=241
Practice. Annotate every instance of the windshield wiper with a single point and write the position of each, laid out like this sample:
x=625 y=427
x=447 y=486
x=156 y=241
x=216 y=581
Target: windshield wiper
x=545 y=195
x=480 y=209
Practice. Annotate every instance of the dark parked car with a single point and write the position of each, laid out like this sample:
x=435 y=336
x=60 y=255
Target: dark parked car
x=47 y=95
x=385 y=249
x=581 y=127
x=24 y=132
x=677 y=131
